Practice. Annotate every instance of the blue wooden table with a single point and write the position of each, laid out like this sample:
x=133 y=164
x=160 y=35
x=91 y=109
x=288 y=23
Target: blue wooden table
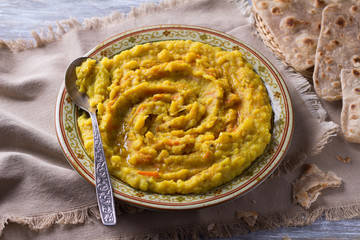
x=19 y=17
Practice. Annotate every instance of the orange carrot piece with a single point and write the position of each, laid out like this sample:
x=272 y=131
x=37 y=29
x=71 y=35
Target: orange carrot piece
x=158 y=96
x=207 y=155
x=150 y=174
x=172 y=143
x=140 y=109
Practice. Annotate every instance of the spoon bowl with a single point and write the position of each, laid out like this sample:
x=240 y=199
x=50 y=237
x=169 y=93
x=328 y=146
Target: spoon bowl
x=103 y=186
x=79 y=98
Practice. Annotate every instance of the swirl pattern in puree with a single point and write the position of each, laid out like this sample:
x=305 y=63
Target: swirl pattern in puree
x=176 y=116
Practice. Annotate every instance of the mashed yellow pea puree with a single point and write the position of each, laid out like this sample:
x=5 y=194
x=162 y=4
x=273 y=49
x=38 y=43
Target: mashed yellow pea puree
x=176 y=116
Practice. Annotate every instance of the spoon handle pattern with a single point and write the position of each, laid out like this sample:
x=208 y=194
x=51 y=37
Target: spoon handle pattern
x=104 y=191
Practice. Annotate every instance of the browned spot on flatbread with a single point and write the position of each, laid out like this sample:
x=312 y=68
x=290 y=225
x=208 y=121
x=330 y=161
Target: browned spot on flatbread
x=327 y=32
x=336 y=84
x=290 y=23
x=319 y=26
x=340 y=21
x=353 y=9
x=357 y=90
x=263 y=5
x=354 y=117
x=335 y=42
x=276 y=11
x=307 y=168
x=298 y=55
x=308 y=42
x=328 y=60
x=344 y=160
x=332 y=44
x=356 y=60
x=351 y=20
x=353 y=106
x=312 y=11
x=355 y=72
x=319 y=3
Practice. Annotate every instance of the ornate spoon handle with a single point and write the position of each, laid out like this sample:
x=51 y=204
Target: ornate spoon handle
x=103 y=187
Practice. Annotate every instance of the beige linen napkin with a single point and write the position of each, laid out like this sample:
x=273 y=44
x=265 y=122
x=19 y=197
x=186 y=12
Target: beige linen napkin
x=42 y=197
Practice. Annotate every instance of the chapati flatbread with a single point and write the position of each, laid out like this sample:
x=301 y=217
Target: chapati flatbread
x=249 y=217
x=307 y=188
x=338 y=47
x=295 y=26
x=350 y=113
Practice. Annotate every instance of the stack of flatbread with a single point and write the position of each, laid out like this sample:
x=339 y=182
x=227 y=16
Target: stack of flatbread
x=323 y=35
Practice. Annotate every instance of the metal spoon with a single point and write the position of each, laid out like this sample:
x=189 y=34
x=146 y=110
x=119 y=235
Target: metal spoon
x=103 y=187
